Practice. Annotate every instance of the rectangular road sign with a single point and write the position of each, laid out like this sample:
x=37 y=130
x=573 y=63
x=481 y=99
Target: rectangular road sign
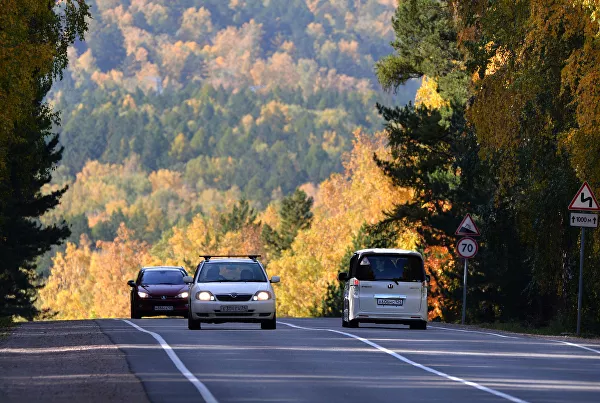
x=584 y=220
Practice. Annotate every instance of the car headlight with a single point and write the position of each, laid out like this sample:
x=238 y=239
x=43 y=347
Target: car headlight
x=262 y=296
x=205 y=296
x=143 y=294
x=183 y=295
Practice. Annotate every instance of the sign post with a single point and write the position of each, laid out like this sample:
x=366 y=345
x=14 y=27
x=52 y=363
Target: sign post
x=584 y=200
x=467 y=248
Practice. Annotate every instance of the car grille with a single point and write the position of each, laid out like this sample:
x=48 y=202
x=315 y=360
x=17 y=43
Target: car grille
x=230 y=298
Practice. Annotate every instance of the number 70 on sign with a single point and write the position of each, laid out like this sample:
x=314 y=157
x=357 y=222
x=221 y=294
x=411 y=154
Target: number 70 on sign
x=467 y=247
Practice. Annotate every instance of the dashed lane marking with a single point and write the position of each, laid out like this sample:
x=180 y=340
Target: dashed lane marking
x=416 y=364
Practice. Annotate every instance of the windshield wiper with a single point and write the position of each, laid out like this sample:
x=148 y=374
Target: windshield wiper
x=395 y=280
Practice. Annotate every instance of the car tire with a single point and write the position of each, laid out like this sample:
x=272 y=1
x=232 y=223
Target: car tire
x=344 y=323
x=419 y=325
x=270 y=324
x=134 y=313
x=352 y=323
x=193 y=324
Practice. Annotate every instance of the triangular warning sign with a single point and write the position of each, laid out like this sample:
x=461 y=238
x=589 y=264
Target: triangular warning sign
x=467 y=227
x=584 y=199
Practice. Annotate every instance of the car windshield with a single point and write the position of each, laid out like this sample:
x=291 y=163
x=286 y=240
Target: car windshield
x=390 y=267
x=231 y=272
x=154 y=277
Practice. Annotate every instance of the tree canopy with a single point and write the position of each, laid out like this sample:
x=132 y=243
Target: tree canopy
x=34 y=37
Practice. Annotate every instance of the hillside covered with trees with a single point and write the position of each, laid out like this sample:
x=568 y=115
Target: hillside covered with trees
x=260 y=96
x=176 y=107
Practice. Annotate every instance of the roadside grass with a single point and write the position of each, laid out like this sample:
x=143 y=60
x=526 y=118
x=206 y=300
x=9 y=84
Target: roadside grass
x=6 y=323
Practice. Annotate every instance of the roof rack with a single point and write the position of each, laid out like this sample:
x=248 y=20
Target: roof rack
x=208 y=257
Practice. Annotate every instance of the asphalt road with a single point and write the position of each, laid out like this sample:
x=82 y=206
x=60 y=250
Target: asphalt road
x=316 y=360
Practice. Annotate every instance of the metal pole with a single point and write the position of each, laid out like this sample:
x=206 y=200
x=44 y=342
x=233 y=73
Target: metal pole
x=580 y=297
x=464 y=304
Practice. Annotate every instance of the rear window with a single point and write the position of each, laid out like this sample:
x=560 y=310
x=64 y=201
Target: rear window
x=232 y=272
x=390 y=267
x=153 y=277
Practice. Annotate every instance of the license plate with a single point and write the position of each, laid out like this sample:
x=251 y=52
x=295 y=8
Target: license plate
x=234 y=308
x=390 y=302
x=163 y=308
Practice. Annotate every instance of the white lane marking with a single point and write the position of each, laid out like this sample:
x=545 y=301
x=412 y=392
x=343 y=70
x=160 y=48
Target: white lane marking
x=416 y=364
x=206 y=395
x=577 y=345
x=512 y=337
x=474 y=331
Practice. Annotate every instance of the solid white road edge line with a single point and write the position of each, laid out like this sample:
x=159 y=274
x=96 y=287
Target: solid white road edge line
x=474 y=331
x=206 y=395
x=577 y=345
x=416 y=364
x=512 y=337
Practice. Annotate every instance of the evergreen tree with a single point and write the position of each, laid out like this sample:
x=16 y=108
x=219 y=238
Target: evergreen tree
x=433 y=151
x=29 y=149
x=240 y=216
x=296 y=215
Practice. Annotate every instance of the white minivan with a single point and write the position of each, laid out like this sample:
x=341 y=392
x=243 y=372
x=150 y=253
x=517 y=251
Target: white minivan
x=385 y=286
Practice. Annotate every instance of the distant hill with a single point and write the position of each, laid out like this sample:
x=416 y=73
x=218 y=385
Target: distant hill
x=257 y=95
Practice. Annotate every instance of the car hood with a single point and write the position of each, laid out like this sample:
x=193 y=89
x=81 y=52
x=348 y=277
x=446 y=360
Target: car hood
x=167 y=290
x=226 y=288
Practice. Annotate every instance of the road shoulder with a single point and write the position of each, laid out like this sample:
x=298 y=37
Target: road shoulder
x=60 y=361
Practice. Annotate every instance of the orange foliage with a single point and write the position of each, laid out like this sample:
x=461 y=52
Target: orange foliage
x=90 y=284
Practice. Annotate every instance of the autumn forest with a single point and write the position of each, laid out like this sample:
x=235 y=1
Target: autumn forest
x=301 y=130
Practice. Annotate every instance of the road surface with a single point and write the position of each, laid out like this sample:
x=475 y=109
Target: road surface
x=316 y=360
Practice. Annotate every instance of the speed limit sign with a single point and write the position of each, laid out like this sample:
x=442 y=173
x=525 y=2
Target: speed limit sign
x=467 y=247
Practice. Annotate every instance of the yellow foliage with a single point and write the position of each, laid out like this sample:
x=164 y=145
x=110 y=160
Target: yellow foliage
x=196 y=24
x=428 y=96
x=68 y=289
x=89 y=284
x=269 y=216
x=112 y=266
x=344 y=202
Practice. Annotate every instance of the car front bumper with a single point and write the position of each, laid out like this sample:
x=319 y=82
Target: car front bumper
x=160 y=307
x=219 y=311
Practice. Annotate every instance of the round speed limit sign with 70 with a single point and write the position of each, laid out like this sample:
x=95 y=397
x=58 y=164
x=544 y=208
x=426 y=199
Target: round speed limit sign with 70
x=467 y=247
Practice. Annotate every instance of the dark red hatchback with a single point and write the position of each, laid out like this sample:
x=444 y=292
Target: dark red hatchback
x=159 y=291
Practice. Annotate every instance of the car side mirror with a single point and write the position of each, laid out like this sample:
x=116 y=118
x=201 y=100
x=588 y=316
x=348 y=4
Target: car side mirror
x=275 y=279
x=131 y=283
x=428 y=278
x=188 y=280
x=343 y=276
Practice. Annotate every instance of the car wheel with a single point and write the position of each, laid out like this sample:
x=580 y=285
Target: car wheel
x=352 y=323
x=270 y=324
x=134 y=313
x=344 y=323
x=193 y=324
x=419 y=325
